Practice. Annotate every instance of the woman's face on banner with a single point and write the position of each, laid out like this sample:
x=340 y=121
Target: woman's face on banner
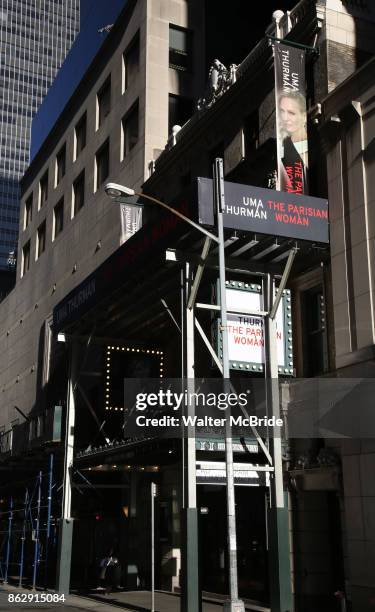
x=291 y=116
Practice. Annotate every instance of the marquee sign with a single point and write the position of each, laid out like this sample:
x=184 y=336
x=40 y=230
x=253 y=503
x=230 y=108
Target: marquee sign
x=266 y=211
x=245 y=474
x=246 y=332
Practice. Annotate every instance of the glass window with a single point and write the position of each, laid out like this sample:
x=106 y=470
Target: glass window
x=130 y=130
x=131 y=62
x=314 y=332
x=43 y=189
x=103 y=102
x=41 y=239
x=179 y=48
x=25 y=258
x=179 y=111
x=80 y=135
x=60 y=164
x=28 y=211
x=102 y=164
x=78 y=193
x=58 y=218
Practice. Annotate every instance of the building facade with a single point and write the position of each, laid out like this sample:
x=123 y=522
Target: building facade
x=82 y=273
x=34 y=41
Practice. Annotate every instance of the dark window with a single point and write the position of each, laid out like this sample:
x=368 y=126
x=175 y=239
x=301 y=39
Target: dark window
x=102 y=164
x=80 y=135
x=179 y=48
x=251 y=130
x=78 y=193
x=104 y=102
x=25 y=258
x=58 y=213
x=41 y=240
x=43 y=189
x=28 y=211
x=130 y=127
x=131 y=62
x=314 y=332
x=179 y=111
x=60 y=164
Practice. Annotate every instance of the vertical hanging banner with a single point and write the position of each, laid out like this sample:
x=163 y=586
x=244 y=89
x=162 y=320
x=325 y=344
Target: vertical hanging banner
x=291 y=116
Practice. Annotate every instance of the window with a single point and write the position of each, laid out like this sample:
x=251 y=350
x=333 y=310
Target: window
x=60 y=165
x=28 y=211
x=102 y=164
x=25 y=258
x=130 y=130
x=179 y=48
x=41 y=240
x=131 y=62
x=43 y=189
x=314 y=332
x=251 y=130
x=179 y=111
x=78 y=193
x=58 y=218
x=103 y=102
x=80 y=136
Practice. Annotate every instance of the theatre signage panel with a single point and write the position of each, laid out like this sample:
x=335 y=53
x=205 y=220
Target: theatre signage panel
x=246 y=332
x=266 y=211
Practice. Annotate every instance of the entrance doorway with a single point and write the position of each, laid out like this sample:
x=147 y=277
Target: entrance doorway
x=252 y=555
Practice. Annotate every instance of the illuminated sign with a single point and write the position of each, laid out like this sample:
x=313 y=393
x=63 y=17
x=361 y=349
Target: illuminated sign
x=128 y=362
x=245 y=474
x=266 y=211
x=246 y=332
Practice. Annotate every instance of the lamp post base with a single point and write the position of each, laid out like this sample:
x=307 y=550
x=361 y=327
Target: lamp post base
x=234 y=606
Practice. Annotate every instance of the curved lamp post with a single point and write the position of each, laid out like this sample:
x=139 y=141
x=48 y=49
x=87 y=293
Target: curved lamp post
x=121 y=194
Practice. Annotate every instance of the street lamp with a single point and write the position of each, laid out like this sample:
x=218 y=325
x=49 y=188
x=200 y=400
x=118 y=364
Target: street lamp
x=119 y=193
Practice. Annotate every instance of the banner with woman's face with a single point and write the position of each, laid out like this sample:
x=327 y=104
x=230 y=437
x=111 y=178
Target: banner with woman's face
x=290 y=92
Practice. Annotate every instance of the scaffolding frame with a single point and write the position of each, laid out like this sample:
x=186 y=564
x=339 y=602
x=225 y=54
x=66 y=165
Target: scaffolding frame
x=26 y=524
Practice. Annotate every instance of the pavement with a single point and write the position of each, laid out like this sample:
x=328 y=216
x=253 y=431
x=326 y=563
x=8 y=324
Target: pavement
x=129 y=601
x=140 y=601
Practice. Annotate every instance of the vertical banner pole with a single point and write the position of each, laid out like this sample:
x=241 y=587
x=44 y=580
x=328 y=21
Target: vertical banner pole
x=234 y=604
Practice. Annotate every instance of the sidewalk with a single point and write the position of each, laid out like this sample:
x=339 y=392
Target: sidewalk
x=128 y=601
x=140 y=601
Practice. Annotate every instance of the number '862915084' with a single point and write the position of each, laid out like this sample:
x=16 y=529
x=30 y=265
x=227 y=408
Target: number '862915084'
x=36 y=598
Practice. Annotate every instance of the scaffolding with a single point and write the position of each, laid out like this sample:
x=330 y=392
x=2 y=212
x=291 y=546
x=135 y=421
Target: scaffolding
x=28 y=531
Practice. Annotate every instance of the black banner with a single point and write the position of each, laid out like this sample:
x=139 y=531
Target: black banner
x=266 y=211
x=291 y=133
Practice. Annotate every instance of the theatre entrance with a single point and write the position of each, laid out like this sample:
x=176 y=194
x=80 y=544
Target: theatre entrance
x=251 y=506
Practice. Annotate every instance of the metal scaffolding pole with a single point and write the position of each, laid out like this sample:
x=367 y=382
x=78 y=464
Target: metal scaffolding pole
x=48 y=527
x=23 y=537
x=36 y=531
x=190 y=600
x=280 y=578
x=64 y=552
x=10 y=523
x=234 y=604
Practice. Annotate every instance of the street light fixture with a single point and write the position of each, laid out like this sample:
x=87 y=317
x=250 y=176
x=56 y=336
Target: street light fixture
x=121 y=194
